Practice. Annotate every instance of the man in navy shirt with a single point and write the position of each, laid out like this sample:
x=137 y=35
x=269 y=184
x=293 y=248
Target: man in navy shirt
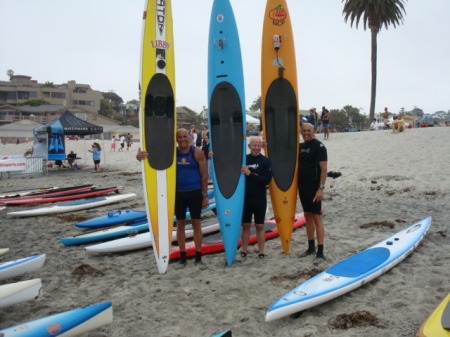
x=259 y=173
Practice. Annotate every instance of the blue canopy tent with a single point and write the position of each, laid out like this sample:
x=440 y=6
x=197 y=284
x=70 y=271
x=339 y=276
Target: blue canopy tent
x=49 y=138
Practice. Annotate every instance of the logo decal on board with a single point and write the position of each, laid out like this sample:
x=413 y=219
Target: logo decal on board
x=278 y=15
x=220 y=18
x=54 y=328
x=161 y=15
x=160 y=44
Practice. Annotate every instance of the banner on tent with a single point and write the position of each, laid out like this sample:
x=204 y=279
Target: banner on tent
x=56 y=147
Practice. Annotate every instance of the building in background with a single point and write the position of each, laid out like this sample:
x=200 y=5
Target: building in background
x=21 y=88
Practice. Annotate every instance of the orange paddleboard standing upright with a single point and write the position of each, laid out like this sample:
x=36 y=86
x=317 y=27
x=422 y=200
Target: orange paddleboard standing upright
x=280 y=119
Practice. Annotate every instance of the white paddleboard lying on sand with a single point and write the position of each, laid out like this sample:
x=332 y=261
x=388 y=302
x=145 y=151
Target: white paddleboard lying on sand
x=350 y=273
x=4 y=251
x=19 y=292
x=142 y=240
x=73 y=206
x=19 y=267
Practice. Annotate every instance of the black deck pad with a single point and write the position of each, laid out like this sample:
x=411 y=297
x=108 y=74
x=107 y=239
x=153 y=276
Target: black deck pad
x=226 y=136
x=282 y=131
x=160 y=122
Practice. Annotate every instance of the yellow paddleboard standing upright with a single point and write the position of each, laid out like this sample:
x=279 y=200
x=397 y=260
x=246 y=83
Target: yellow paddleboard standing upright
x=280 y=120
x=158 y=125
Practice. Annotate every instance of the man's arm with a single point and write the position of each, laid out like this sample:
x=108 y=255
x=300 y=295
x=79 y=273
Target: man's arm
x=203 y=169
x=323 y=177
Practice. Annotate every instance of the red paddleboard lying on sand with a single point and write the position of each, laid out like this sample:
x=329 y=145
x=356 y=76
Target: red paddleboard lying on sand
x=53 y=192
x=214 y=244
x=68 y=196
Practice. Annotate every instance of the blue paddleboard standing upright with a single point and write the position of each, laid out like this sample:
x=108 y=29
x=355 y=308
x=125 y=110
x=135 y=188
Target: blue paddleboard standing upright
x=227 y=125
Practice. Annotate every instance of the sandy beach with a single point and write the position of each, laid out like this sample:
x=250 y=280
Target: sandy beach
x=387 y=178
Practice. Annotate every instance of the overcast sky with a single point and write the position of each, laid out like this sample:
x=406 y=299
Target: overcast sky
x=97 y=42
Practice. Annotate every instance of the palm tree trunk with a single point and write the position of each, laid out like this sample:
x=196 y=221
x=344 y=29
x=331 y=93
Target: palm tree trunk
x=373 y=90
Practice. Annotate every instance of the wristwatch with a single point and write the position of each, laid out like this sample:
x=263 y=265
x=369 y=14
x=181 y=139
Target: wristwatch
x=322 y=186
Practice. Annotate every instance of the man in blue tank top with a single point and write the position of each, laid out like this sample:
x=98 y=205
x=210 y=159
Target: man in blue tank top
x=191 y=192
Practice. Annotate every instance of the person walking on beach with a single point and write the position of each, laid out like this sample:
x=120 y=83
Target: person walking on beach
x=191 y=192
x=312 y=174
x=325 y=122
x=96 y=155
x=113 y=144
x=258 y=171
x=312 y=119
x=385 y=116
x=129 y=140
x=122 y=143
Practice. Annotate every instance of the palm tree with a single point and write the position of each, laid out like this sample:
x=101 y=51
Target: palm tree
x=374 y=14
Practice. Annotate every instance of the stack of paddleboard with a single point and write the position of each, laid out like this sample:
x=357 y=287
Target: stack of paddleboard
x=45 y=193
x=121 y=223
x=78 y=192
x=25 y=192
x=62 y=197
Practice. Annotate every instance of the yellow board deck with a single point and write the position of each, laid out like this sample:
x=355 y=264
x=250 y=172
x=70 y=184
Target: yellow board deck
x=279 y=102
x=433 y=326
x=158 y=124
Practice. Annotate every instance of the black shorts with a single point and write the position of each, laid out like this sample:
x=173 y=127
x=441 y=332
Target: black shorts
x=256 y=208
x=96 y=161
x=307 y=192
x=188 y=199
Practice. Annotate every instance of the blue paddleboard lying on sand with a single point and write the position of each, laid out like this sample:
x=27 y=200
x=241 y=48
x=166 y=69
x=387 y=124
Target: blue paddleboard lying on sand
x=224 y=334
x=117 y=217
x=69 y=323
x=107 y=233
x=350 y=273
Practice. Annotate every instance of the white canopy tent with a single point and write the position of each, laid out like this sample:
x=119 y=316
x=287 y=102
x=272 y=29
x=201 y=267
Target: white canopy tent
x=252 y=120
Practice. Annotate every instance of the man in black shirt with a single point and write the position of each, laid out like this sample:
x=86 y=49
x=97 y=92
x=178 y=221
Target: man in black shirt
x=259 y=173
x=312 y=174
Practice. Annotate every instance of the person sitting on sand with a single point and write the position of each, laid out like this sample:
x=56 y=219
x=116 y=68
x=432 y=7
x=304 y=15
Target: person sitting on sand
x=373 y=125
x=399 y=124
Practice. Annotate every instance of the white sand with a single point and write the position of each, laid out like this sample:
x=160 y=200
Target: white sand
x=398 y=178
